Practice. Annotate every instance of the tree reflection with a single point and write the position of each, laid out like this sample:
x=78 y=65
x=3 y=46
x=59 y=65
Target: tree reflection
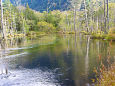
x=72 y=57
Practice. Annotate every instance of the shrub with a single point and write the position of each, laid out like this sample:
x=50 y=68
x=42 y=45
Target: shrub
x=52 y=18
x=107 y=77
x=45 y=27
x=112 y=30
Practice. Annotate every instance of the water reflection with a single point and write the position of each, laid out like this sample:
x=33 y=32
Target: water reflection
x=71 y=59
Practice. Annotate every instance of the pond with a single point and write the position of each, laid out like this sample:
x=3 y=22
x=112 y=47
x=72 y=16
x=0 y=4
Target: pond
x=53 y=60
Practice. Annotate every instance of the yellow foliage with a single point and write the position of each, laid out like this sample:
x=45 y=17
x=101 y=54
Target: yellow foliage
x=46 y=27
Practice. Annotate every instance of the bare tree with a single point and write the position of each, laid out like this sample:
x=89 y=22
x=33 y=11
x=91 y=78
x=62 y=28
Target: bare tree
x=107 y=15
x=97 y=23
x=86 y=19
x=3 y=32
x=75 y=19
x=104 y=16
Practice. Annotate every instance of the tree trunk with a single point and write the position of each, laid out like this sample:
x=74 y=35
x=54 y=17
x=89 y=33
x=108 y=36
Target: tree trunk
x=86 y=19
x=71 y=24
x=107 y=15
x=3 y=33
x=75 y=19
x=97 y=23
x=11 y=25
x=104 y=16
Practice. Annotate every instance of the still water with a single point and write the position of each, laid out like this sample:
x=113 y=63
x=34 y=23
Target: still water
x=65 y=60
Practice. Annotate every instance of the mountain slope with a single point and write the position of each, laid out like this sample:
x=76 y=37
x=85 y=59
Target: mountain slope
x=43 y=5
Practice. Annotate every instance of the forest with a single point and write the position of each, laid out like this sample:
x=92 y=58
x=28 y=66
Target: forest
x=51 y=23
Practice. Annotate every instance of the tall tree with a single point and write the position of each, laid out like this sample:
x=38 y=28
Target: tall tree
x=3 y=32
x=74 y=18
x=86 y=16
x=104 y=16
x=107 y=15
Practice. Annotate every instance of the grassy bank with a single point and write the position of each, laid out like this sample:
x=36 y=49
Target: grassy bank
x=31 y=34
x=110 y=35
x=107 y=77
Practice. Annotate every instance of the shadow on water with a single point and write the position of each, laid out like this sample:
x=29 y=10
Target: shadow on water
x=69 y=59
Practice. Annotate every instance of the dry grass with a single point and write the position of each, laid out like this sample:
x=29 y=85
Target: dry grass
x=107 y=77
